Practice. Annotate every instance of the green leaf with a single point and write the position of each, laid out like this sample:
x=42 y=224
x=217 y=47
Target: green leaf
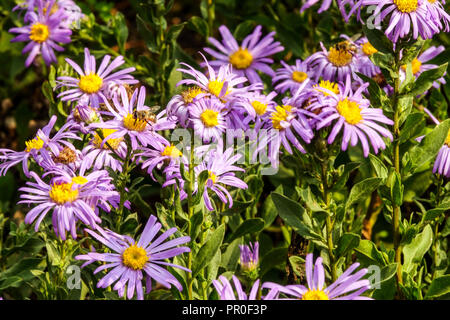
x=298 y=265
x=238 y=207
x=378 y=166
x=243 y=29
x=412 y=127
x=377 y=96
x=348 y=168
x=411 y=51
x=426 y=79
x=230 y=258
x=293 y=214
x=386 y=283
x=414 y=252
x=274 y=258
x=196 y=223
x=347 y=243
x=199 y=25
x=368 y=254
x=439 y=287
x=378 y=40
x=248 y=226
x=208 y=250
x=429 y=146
x=362 y=190
x=397 y=189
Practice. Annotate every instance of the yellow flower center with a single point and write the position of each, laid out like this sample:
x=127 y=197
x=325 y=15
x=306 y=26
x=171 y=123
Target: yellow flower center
x=212 y=176
x=79 y=180
x=431 y=1
x=339 y=57
x=114 y=143
x=209 y=118
x=416 y=64
x=447 y=140
x=368 y=49
x=350 y=111
x=34 y=144
x=215 y=87
x=281 y=114
x=315 y=295
x=241 y=59
x=134 y=257
x=299 y=76
x=131 y=123
x=189 y=94
x=406 y=6
x=331 y=86
x=62 y=193
x=39 y=32
x=171 y=151
x=90 y=83
x=260 y=108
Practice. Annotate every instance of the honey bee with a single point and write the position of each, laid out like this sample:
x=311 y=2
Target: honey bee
x=146 y=115
x=346 y=46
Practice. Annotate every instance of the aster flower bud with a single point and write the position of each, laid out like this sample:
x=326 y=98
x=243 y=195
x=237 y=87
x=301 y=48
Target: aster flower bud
x=249 y=257
x=85 y=113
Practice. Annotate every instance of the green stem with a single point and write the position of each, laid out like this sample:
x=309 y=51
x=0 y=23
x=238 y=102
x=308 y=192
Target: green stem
x=123 y=183
x=211 y=15
x=329 y=220
x=396 y=216
x=436 y=227
x=190 y=189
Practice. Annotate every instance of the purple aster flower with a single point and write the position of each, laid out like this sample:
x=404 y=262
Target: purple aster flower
x=131 y=258
x=419 y=64
x=224 y=84
x=442 y=163
x=255 y=107
x=69 y=199
x=249 y=256
x=347 y=283
x=285 y=122
x=207 y=117
x=103 y=193
x=404 y=15
x=292 y=77
x=178 y=107
x=225 y=289
x=352 y=112
x=43 y=32
x=247 y=58
x=98 y=156
x=163 y=153
x=40 y=147
x=220 y=172
x=334 y=64
x=438 y=14
x=128 y=120
x=93 y=82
